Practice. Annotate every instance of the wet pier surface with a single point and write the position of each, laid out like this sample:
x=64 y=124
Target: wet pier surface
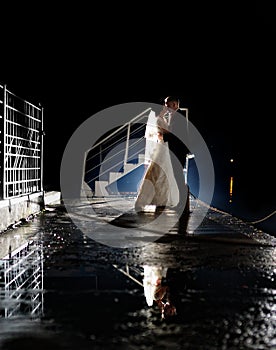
x=220 y=279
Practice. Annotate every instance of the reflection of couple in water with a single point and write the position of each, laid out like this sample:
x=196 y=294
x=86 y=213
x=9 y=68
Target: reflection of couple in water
x=157 y=291
x=164 y=184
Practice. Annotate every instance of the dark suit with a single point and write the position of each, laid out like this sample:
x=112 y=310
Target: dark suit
x=176 y=138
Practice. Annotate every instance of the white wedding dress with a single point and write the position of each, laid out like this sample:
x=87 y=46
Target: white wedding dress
x=158 y=186
x=152 y=281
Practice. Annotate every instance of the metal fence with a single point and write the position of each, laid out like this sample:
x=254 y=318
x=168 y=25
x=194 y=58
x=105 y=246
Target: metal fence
x=120 y=159
x=21 y=146
x=117 y=154
x=21 y=281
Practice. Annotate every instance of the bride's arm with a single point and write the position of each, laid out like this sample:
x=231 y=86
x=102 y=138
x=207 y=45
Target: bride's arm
x=162 y=124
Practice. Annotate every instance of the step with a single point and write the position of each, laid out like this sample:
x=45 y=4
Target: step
x=100 y=189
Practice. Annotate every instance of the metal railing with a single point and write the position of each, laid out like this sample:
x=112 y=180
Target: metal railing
x=116 y=150
x=119 y=148
x=21 y=146
x=21 y=281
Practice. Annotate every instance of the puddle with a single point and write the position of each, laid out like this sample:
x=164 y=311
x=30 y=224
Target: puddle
x=72 y=292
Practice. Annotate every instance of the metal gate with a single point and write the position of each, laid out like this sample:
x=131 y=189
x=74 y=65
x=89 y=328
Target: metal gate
x=21 y=146
x=21 y=281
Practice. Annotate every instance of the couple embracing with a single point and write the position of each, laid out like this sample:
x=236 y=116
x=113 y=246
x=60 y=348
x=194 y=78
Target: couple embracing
x=164 y=184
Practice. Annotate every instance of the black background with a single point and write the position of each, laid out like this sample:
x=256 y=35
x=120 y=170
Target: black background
x=218 y=58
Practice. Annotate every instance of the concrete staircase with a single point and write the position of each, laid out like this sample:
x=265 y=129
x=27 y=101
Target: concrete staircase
x=122 y=183
x=127 y=182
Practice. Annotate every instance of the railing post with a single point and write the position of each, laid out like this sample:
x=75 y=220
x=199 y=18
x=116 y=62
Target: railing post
x=4 y=143
x=187 y=143
x=82 y=189
x=2 y=121
x=41 y=151
x=127 y=145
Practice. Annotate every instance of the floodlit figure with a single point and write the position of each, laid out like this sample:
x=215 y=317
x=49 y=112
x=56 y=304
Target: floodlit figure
x=158 y=187
x=164 y=184
x=158 y=292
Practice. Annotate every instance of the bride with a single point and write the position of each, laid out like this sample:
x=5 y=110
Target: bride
x=158 y=187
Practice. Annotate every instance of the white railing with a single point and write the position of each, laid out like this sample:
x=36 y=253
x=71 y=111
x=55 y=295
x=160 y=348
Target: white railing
x=21 y=146
x=122 y=151
x=21 y=281
x=101 y=161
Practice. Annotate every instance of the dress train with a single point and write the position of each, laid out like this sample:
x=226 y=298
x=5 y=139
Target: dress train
x=158 y=186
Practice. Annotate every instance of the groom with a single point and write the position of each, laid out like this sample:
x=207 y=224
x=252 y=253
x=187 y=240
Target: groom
x=177 y=131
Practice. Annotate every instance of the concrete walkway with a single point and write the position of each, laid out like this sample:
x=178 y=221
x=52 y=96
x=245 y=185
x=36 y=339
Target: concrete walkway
x=221 y=278
x=205 y=222
x=114 y=222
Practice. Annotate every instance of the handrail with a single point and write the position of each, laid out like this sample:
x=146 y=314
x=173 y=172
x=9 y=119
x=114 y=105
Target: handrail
x=110 y=145
x=110 y=168
x=22 y=99
x=108 y=139
x=120 y=128
x=114 y=155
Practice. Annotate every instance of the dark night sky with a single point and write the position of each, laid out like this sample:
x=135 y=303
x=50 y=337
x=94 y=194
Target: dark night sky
x=218 y=58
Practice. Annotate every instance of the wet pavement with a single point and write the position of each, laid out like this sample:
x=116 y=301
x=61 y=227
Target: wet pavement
x=220 y=282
